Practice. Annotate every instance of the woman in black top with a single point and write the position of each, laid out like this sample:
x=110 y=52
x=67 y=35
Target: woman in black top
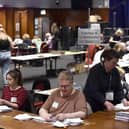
x=103 y=88
x=5 y=53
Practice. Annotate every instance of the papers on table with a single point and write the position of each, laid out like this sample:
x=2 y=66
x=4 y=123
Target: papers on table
x=4 y=108
x=121 y=107
x=123 y=116
x=23 y=117
x=28 y=117
x=66 y=122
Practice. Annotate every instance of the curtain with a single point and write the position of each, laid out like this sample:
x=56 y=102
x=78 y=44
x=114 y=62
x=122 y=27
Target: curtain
x=119 y=13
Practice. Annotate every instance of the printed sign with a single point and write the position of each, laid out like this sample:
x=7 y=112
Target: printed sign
x=88 y=36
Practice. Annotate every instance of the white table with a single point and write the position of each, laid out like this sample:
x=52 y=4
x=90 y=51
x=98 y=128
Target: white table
x=44 y=56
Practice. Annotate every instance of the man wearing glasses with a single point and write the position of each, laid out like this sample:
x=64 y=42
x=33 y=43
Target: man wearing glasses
x=66 y=102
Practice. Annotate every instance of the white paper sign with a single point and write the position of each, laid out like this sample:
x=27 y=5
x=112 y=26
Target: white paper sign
x=88 y=36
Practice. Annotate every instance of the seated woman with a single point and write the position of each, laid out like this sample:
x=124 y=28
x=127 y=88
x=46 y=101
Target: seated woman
x=66 y=102
x=14 y=95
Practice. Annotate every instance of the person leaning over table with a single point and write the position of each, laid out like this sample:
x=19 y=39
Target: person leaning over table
x=103 y=88
x=14 y=94
x=66 y=102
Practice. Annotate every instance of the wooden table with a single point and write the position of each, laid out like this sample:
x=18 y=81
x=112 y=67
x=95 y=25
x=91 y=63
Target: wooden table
x=102 y=120
x=99 y=120
x=8 y=122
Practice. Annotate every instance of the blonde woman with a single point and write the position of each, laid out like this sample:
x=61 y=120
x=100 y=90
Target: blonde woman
x=5 y=53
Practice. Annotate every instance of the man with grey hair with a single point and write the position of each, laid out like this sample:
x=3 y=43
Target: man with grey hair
x=65 y=101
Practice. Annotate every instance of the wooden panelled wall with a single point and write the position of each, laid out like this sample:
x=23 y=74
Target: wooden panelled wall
x=10 y=16
x=64 y=17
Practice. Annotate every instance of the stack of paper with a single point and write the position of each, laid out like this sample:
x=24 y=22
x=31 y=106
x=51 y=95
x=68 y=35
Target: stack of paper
x=123 y=116
x=4 y=108
x=121 y=107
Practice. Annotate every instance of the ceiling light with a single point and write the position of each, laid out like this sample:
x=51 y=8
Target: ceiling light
x=43 y=12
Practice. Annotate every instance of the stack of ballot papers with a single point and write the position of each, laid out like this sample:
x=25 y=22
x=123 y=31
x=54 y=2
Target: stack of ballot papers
x=121 y=107
x=123 y=116
x=4 y=108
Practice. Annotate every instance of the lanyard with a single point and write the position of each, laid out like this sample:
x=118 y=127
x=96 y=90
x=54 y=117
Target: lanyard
x=110 y=82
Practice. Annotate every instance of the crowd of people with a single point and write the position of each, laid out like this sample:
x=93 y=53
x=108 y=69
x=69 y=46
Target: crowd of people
x=102 y=91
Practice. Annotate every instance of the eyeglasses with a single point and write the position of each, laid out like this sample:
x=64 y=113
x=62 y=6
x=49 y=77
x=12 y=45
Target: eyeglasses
x=65 y=86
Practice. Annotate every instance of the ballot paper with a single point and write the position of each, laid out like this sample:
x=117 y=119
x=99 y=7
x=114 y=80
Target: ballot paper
x=23 y=117
x=26 y=116
x=4 y=108
x=121 y=107
x=67 y=122
x=122 y=116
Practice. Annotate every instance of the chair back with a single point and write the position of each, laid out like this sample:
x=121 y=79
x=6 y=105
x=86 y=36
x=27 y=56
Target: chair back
x=29 y=106
x=41 y=83
x=44 y=48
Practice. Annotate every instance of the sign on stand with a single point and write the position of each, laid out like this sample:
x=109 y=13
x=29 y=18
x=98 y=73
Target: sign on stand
x=88 y=36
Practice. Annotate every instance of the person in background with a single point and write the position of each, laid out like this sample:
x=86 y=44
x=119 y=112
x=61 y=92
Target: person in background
x=5 y=52
x=26 y=39
x=119 y=47
x=14 y=95
x=103 y=88
x=17 y=40
x=55 y=33
x=65 y=102
x=48 y=40
x=117 y=37
x=37 y=41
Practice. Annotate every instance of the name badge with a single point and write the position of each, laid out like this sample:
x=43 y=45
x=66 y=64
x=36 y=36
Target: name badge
x=55 y=104
x=109 y=95
x=13 y=99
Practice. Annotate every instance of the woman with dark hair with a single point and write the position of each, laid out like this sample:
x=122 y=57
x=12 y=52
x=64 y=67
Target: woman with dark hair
x=14 y=95
x=103 y=87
